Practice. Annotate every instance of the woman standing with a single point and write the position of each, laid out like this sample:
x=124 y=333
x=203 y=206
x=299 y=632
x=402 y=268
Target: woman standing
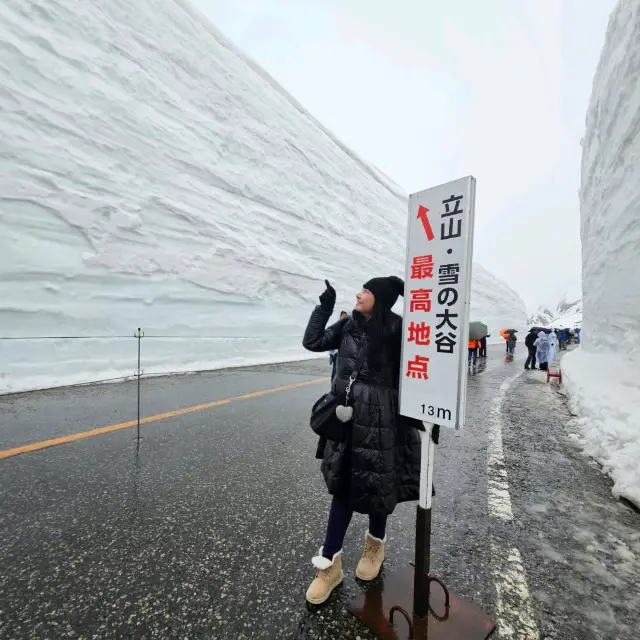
x=378 y=465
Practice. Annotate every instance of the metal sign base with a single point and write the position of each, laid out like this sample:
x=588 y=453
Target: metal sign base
x=386 y=610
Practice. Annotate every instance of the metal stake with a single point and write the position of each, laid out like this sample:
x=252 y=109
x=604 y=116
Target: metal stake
x=139 y=335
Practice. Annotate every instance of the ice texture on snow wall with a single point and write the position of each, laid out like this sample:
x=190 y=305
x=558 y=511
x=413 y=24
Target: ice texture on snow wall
x=602 y=376
x=153 y=176
x=610 y=192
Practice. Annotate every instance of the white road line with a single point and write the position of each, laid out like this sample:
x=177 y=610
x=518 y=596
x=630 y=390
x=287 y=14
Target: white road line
x=499 y=499
x=515 y=617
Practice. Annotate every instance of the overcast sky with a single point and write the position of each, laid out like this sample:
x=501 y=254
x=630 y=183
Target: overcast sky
x=430 y=91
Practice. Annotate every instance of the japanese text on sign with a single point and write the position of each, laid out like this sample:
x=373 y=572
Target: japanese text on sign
x=438 y=276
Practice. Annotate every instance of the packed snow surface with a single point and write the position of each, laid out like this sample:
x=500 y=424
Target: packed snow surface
x=603 y=374
x=153 y=176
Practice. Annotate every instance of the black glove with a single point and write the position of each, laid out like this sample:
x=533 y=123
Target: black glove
x=328 y=298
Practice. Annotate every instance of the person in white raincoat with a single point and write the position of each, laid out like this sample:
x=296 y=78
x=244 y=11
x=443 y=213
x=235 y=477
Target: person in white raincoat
x=542 y=350
x=553 y=344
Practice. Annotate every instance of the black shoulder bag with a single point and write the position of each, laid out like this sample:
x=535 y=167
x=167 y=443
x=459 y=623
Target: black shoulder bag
x=331 y=414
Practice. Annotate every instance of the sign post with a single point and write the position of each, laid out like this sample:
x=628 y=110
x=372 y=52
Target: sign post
x=433 y=389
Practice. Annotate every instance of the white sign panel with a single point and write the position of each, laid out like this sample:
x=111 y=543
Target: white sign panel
x=433 y=379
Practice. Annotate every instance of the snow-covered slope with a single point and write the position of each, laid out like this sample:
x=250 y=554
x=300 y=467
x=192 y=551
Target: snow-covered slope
x=496 y=304
x=602 y=375
x=152 y=176
x=567 y=313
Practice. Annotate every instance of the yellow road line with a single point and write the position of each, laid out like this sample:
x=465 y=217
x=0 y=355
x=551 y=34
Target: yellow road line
x=45 y=444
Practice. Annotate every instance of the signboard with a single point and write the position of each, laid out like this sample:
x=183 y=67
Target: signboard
x=433 y=378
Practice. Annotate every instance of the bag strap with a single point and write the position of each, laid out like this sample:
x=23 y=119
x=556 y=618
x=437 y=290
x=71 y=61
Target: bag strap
x=356 y=370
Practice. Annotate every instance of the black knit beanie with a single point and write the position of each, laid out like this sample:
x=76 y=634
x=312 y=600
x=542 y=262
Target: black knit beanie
x=386 y=290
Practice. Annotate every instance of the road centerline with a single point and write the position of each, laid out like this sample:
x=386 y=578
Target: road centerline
x=90 y=433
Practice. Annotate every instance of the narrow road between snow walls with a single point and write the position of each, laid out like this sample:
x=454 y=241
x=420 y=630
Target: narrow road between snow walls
x=208 y=530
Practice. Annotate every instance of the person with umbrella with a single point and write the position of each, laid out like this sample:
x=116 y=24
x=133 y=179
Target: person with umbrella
x=511 y=343
x=505 y=333
x=477 y=331
x=529 y=342
x=483 y=346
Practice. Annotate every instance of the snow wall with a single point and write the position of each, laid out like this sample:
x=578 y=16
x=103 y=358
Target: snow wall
x=602 y=376
x=153 y=176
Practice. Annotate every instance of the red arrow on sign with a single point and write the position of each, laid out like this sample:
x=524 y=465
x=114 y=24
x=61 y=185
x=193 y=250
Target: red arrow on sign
x=424 y=218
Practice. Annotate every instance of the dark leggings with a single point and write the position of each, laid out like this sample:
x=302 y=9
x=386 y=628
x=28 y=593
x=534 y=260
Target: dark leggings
x=339 y=519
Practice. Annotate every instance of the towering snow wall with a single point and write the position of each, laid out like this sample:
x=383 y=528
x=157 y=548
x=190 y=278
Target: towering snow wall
x=603 y=374
x=610 y=192
x=152 y=176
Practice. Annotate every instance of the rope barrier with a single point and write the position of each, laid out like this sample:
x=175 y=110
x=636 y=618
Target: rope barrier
x=191 y=337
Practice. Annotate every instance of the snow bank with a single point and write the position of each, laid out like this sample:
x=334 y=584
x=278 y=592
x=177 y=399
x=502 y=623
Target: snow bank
x=153 y=176
x=602 y=377
x=605 y=394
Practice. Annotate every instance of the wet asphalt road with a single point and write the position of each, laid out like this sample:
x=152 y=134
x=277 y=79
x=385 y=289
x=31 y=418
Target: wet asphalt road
x=208 y=531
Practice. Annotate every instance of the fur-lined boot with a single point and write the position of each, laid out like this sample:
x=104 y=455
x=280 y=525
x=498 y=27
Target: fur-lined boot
x=372 y=558
x=329 y=576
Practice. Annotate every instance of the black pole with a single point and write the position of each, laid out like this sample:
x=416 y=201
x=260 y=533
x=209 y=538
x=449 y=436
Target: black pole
x=422 y=563
x=422 y=575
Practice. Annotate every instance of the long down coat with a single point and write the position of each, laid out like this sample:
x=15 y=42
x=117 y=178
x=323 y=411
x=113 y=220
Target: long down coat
x=378 y=465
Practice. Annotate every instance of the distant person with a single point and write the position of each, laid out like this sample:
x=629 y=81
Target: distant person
x=473 y=346
x=483 y=346
x=377 y=466
x=564 y=337
x=333 y=354
x=511 y=344
x=553 y=344
x=542 y=350
x=529 y=343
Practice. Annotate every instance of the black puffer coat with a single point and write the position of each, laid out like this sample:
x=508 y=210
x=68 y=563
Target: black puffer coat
x=379 y=464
